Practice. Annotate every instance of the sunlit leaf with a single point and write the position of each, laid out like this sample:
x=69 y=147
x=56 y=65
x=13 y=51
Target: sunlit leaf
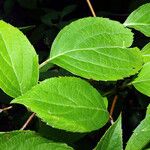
x=67 y=103
x=141 y=135
x=95 y=48
x=18 y=61
x=28 y=140
x=140 y=19
x=112 y=139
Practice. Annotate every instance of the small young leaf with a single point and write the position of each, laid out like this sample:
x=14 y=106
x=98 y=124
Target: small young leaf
x=28 y=140
x=105 y=101
x=112 y=139
x=140 y=19
x=141 y=136
x=95 y=48
x=142 y=82
x=18 y=61
x=67 y=103
x=146 y=53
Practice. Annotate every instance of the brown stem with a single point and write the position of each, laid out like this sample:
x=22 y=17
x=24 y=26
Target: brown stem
x=91 y=8
x=4 y=109
x=112 y=108
x=28 y=121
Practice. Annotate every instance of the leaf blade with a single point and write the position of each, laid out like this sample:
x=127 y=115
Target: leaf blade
x=112 y=138
x=28 y=140
x=86 y=46
x=141 y=136
x=109 y=65
x=18 y=61
x=146 y=53
x=142 y=82
x=139 y=19
x=80 y=106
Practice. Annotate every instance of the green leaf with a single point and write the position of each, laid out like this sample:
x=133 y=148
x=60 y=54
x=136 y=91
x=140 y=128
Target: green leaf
x=142 y=82
x=58 y=135
x=148 y=111
x=140 y=19
x=95 y=48
x=112 y=139
x=18 y=61
x=67 y=103
x=105 y=101
x=141 y=136
x=146 y=53
x=28 y=140
x=67 y=10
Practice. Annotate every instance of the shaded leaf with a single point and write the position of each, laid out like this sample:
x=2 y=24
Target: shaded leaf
x=8 y=6
x=142 y=82
x=28 y=140
x=112 y=139
x=148 y=111
x=50 y=17
x=67 y=103
x=107 y=64
x=67 y=10
x=140 y=19
x=58 y=135
x=18 y=61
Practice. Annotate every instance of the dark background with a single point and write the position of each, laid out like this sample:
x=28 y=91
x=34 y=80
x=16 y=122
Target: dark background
x=41 y=20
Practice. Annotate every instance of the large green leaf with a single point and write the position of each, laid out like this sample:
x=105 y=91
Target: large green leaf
x=146 y=53
x=141 y=136
x=142 y=82
x=112 y=139
x=28 y=140
x=95 y=48
x=18 y=61
x=140 y=19
x=67 y=103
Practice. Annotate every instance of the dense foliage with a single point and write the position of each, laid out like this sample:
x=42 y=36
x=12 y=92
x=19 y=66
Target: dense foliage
x=90 y=61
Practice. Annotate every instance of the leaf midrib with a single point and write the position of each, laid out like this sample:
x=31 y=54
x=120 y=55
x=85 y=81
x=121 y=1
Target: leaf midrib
x=72 y=106
x=13 y=68
x=90 y=49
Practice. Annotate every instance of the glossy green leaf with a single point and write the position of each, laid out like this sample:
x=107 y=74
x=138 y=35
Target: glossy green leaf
x=28 y=140
x=142 y=82
x=146 y=53
x=110 y=65
x=112 y=139
x=95 y=48
x=67 y=103
x=141 y=136
x=148 y=111
x=140 y=19
x=18 y=61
